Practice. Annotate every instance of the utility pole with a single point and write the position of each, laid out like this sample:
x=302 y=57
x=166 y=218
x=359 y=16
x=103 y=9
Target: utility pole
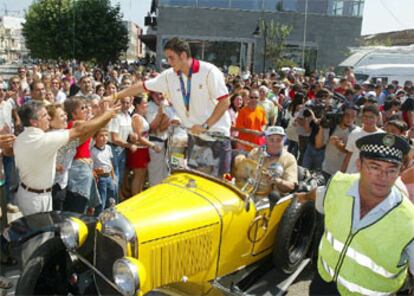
x=305 y=27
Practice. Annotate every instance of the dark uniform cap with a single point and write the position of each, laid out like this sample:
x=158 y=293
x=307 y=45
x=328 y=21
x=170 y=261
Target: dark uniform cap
x=383 y=146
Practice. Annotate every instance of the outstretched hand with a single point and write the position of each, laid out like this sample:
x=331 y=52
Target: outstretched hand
x=109 y=106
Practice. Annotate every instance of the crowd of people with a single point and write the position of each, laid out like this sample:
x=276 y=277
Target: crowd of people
x=323 y=117
x=81 y=139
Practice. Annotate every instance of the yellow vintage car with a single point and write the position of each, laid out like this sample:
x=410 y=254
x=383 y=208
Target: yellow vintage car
x=190 y=230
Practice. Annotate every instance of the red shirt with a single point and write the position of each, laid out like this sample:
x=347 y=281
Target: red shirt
x=83 y=150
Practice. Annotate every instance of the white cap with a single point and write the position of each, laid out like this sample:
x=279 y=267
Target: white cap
x=371 y=94
x=246 y=75
x=275 y=130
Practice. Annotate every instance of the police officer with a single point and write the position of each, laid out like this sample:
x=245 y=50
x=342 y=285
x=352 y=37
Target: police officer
x=367 y=247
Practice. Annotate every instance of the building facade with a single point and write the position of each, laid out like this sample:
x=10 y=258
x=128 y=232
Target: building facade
x=12 y=44
x=135 y=48
x=222 y=31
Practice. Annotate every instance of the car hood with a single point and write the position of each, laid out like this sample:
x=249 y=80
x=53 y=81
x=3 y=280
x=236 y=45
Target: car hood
x=182 y=202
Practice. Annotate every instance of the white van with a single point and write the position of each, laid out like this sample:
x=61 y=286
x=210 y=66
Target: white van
x=387 y=73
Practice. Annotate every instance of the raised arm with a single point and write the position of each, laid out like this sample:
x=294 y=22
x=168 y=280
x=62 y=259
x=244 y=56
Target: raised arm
x=88 y=128
x=131 y=91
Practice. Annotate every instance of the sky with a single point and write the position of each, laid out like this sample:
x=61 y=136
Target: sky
x=379 y=15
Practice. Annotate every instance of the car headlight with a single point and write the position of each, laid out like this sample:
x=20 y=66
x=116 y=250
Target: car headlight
x=128 y=275
x=73 y=233
x=114 y=224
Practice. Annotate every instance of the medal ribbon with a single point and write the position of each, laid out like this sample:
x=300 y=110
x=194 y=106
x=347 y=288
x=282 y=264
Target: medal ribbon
x=186 y=94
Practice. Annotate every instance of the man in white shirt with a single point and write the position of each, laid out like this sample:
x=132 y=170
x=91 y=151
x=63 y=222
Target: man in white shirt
x=198 y=93
x=86 y=88
x=370 y=117
x=35 y=154
x=120 y=128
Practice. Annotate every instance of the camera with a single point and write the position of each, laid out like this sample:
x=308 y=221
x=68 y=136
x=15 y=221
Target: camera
x=331 y=119
x=317 y=108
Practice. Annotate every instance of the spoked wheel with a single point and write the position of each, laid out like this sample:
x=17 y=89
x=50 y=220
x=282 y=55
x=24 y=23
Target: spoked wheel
x=301 y=236
x=294 y=236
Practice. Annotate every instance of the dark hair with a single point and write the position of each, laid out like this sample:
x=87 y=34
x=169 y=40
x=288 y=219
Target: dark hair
x=98 y=86
x=137 y=100
x=84 y=77
x=178 y=46
x=94 y=75
x=349 y=106
x=109 y=82
x=298 y=99
x=388 y=104
x=66 y=71
x=323 y=92
x=34 y=83
x=29 y=111
x=372 y=109
x=72 y=104
x=232 y=98
x=408 y=105
x=401 y=125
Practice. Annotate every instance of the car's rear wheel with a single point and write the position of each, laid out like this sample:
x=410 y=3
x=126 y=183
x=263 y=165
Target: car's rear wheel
x=45 y=271
x=294 y=236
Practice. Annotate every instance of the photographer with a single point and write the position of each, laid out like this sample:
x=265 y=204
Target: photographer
x=314 y=156
x=333 y=135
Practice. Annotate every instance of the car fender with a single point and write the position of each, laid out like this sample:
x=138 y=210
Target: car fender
x=25 y=228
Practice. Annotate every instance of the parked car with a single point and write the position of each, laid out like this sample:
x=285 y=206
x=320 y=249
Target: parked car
x=189 y=231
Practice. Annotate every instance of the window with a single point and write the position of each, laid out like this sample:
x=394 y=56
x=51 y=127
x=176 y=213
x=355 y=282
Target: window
x=246 y=4
x=214 y=3
x=335 y=7
x=222 y=53
x=191 y=3
x=358 y=8
x=273 y=5
x=290 y=5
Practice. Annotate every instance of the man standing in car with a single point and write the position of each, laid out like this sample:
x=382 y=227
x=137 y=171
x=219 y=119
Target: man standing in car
x=198 y=93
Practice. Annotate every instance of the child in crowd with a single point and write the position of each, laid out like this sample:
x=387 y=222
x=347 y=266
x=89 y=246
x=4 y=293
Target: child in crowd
x=103 y=170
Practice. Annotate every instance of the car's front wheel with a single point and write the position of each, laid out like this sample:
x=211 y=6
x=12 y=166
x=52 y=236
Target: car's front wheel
x=294 y=236
x=45 y=271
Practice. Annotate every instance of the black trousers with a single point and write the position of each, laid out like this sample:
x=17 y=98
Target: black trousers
x=74 y=202
x=58 y=197
x=319 y=287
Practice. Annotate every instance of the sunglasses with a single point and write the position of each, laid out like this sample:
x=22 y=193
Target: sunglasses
x=254 y=98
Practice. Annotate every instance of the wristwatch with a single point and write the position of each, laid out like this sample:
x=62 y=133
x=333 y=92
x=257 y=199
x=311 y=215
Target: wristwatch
x=205 y=125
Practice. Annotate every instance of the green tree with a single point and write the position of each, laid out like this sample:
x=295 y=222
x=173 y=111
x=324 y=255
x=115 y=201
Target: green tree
x=88 y=30
x=98 y=31
x=45 y=29
x=276 y=35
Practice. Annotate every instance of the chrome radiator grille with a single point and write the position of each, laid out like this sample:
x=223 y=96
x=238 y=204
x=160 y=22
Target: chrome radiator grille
x=107 y=250
x=184 y=254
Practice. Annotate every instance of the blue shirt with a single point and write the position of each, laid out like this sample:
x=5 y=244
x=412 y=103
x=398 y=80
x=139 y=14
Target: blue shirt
x=372 y=216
